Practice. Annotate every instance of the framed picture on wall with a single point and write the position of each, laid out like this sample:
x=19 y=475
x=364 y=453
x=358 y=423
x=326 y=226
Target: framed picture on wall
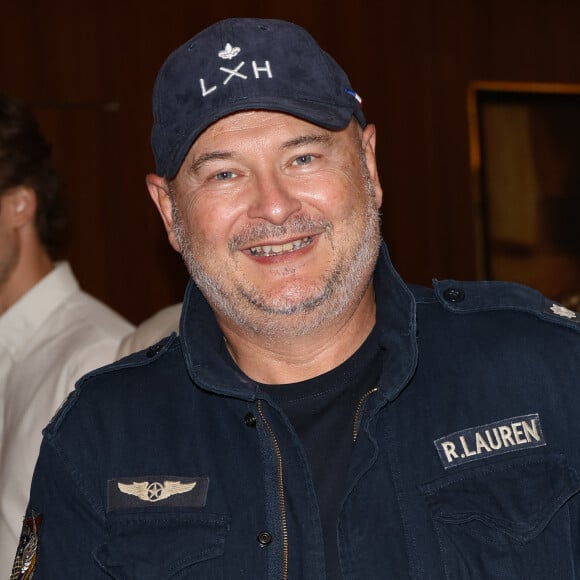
x=525 y=163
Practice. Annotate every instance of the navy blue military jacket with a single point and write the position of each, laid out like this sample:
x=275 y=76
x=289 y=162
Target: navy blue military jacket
x=169 y=464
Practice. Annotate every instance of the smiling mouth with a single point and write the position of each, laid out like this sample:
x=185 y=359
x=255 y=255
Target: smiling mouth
x=276 y=250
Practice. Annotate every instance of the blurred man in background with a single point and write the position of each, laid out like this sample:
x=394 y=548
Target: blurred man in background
x=51 y=332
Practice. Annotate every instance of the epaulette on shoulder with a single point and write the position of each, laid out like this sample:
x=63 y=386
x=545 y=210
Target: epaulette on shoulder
x=463 y=297
x=136 y=359
x=139 y=358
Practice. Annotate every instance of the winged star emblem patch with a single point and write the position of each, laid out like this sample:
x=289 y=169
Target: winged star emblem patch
x=146 y=491
x=155 y=491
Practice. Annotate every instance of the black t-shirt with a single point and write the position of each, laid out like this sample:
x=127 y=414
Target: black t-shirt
x=323 y=411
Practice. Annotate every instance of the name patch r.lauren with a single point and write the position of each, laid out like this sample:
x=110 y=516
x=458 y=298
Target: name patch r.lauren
x=492 y=439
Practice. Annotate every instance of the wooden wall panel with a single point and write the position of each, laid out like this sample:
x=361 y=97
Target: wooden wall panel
x=411 y=60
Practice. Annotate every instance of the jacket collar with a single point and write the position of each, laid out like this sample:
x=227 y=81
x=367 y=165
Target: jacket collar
x=211 y=367
x=396 y=317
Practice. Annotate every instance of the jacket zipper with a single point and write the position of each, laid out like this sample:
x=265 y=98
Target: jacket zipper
x=358 y=412
x=281 y=500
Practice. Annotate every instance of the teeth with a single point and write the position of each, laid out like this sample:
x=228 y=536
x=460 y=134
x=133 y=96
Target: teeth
x=275 y=250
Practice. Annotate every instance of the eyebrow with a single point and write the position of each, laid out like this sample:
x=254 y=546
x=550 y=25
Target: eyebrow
x=306 y=140
x=299 y=141
x=211 y=156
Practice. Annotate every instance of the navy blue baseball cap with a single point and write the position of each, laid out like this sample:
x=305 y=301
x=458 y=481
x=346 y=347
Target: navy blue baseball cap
x=242 y=64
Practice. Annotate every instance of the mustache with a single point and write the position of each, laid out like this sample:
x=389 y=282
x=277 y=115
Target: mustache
x=251 y=235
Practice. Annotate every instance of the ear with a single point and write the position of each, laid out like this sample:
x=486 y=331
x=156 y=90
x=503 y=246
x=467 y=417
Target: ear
x=369 y=138
x=159 y=192
x=19 y=206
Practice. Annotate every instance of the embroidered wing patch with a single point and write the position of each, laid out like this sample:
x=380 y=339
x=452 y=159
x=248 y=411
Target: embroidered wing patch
x=156 y=490
x=162 y=490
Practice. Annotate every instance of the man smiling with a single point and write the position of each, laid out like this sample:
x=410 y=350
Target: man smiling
x=277 y=221
x=316 y=417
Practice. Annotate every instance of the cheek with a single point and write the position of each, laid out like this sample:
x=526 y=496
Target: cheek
x=211 y=223
x=342 y=194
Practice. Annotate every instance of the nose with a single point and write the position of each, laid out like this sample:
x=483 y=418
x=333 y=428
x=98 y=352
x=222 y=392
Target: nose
x=273 y=200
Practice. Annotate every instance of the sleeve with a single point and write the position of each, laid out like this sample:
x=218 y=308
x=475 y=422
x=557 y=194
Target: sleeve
x=62 y=528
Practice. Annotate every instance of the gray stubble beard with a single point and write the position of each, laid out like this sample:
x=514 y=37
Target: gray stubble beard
x=337 y=295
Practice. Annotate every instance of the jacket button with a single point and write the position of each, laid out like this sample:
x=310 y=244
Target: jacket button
x=264 y=538
x=454 y=295
x=250 y=420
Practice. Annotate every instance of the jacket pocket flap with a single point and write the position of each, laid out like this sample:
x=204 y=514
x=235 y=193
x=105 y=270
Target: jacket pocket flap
x=160 y=546
x=518 y=498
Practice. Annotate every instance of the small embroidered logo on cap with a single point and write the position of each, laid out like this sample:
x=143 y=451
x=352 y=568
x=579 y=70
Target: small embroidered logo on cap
x=229 y=52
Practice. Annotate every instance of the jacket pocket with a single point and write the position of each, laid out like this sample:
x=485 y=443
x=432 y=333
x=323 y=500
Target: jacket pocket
x=161 y=546
x=509 y=520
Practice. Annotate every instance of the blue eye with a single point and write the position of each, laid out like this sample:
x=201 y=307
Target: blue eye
x=303 y=160
x=223 y=175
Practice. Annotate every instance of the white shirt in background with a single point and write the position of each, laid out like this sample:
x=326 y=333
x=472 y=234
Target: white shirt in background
x=48 y=339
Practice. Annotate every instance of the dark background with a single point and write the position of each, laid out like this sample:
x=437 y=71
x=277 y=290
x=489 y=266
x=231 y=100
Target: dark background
x=88 y=69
